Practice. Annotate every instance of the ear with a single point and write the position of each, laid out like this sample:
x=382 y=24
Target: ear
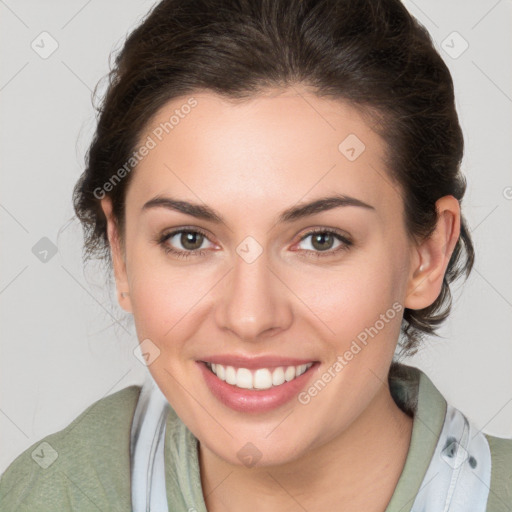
x=118 y=257
x=430 y=257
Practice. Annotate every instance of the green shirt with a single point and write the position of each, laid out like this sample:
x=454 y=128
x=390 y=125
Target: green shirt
x=86 y=466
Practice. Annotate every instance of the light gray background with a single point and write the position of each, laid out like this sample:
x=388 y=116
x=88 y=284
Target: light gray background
x=65 y=342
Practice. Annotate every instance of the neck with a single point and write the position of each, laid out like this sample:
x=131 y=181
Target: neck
x=359 y=468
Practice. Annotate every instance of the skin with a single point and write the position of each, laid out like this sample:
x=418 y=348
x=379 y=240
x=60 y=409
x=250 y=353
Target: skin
x=250 y=161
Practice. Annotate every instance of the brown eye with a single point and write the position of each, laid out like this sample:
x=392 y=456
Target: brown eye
x=325 y=242
x=183 y=243
x=322 y=241
x=191 y=240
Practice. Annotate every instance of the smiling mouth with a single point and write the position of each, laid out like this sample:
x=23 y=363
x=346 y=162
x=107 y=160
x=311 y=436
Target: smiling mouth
x=261 y=378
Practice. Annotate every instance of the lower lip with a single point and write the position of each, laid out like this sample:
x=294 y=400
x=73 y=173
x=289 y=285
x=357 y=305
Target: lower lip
x=250 y=400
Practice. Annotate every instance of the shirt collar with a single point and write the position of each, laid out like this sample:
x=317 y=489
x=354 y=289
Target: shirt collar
x=416 y=395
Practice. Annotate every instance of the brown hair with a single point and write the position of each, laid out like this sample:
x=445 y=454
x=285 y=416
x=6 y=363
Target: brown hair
x=372 y=53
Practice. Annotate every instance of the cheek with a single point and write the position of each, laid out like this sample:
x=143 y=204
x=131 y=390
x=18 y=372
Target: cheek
x=363 y=310
x=353 y=297
x=164 y=299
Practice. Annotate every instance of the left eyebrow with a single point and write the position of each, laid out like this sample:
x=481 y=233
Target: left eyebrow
x=291 y=214
x=321 y=205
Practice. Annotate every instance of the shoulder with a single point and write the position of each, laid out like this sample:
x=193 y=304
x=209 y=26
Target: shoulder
x=85 y=466
x=500 y=495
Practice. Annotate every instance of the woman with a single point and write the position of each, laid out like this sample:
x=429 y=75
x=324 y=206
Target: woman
x=276 y=185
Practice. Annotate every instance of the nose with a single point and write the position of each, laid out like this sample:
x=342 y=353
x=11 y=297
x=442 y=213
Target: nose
x=254 y=304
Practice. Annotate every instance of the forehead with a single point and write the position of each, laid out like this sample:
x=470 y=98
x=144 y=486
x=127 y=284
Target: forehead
x=281 y=145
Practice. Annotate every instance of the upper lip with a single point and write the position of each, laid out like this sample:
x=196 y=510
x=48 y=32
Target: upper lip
x=270 y=361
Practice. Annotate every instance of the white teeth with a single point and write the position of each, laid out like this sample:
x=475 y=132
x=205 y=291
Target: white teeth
x=244 y=378
x=230 y=375
x=302 y=369
x=278 y=376
x=262 y=378
x=220 y=371
x=289 y=373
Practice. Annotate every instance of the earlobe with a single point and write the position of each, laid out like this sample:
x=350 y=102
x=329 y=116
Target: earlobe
x=432 y=255
x=118 y=258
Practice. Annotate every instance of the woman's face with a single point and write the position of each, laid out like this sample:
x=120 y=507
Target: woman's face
x=252 y=288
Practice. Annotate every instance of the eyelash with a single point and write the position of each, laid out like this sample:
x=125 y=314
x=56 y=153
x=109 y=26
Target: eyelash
x=345 y=243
